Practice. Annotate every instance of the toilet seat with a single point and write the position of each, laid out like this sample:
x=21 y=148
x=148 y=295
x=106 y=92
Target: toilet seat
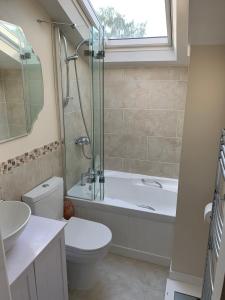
x=84 y=237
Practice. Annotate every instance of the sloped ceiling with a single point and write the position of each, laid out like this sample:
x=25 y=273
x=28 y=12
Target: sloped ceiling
x=207 y=22
x=7 y=62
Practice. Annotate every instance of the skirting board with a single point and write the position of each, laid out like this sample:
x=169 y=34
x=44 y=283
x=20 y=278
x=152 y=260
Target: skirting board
x=186 y=278
x=140 y=255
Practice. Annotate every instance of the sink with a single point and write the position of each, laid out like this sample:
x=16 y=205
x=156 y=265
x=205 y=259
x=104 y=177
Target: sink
x=14 y=216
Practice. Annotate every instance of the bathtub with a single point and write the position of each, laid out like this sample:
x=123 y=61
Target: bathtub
x=131 y=191
x=140 y=210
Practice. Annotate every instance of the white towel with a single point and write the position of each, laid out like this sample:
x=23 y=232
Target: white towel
x=208 y=212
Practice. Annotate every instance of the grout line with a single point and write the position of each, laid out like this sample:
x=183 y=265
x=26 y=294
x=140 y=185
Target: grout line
x=152 y=80
x=123 y=164
x=142 y=160
x=177 y=126
x=145 y=109
x=147 y=147
x=149 y=136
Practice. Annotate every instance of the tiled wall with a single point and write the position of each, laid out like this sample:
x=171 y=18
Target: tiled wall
x=74 y=127
x=12 y=107
x=144 y=113
x=20 y=174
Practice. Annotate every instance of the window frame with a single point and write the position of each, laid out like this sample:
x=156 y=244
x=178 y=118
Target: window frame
x=145 y=42
x=8 y=37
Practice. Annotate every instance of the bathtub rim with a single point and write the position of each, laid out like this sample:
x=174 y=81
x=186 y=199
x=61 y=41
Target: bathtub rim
x=134 y=175
x=101 y=205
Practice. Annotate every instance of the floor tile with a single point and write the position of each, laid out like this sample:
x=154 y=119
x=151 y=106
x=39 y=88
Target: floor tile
x=121 y=278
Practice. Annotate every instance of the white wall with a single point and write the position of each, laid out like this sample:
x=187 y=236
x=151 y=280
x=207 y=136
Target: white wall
x=204 y=119
x=207 y=22
x=25 y=13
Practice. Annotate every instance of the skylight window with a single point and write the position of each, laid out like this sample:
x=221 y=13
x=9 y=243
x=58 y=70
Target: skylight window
x=125 y=19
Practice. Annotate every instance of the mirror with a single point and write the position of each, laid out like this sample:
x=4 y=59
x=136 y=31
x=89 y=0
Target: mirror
x=21 y=83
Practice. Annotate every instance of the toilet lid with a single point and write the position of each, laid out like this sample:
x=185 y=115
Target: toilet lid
x=86 y=235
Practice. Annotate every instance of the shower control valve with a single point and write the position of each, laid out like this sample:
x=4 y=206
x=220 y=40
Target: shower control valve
x=82 y=140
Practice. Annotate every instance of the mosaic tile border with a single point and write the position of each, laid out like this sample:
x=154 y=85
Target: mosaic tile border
x=10 y=164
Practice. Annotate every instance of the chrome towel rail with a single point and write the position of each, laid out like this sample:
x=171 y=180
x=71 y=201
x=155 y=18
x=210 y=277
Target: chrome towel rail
x=216 y=225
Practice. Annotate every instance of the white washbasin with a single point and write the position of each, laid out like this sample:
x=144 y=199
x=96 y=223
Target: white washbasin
x=14 y=216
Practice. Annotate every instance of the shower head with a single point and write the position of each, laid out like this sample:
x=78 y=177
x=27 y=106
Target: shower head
x=76 y=54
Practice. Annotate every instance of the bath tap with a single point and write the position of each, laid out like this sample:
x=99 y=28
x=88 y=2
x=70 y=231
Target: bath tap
x=88 y=177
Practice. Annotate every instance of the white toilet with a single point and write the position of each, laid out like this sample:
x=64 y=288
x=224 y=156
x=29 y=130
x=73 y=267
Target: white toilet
x=86 y=242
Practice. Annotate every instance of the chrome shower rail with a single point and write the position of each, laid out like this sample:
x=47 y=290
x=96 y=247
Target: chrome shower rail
x=57 y=23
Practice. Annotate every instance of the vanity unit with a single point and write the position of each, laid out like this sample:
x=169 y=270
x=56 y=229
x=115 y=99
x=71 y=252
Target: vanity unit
x=36 y=265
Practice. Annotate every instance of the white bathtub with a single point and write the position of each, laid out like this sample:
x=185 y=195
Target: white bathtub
x=140 y=210
x=131 y=191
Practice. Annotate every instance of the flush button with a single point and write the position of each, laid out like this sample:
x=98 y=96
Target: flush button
x=45 y=185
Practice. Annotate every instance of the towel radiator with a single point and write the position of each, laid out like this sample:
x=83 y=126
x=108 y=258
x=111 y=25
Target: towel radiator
x=216 y=228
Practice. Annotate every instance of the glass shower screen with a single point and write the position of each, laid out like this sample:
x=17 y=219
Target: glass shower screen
x=83 y=99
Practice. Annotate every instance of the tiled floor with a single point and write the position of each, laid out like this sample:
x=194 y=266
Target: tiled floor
x=123 y=278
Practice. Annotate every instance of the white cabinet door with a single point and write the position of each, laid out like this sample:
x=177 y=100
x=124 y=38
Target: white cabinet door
x=24 y=287
x=4 y=284
x=50 y=271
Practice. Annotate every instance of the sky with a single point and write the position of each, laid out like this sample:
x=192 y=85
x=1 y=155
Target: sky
x=150 y=11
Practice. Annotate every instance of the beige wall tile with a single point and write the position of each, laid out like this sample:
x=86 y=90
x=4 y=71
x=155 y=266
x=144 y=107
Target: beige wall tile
x=114 y=93
x=3 y=113
x=126 y=145
x=151 y=101
x=155 y=73
x=114 y=163
x=134 y=146
x=184 y=73
x=24 y=178
x=74 y=126
x=76 y=164
x=4 y=131
x=48 y=166
x=180 y=123
x=151 y=168
x=127 y=94
x=150 y=122
x=167 y=94
x=114 y=74
x=164 y=149
x=113 y=121
x=113 y=145
x=136 y=94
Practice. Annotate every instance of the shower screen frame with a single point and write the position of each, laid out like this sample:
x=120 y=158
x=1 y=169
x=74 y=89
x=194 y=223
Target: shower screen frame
x=98 y=109
x=96 y=63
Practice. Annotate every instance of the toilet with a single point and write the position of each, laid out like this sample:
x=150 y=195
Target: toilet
x=87 y=242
